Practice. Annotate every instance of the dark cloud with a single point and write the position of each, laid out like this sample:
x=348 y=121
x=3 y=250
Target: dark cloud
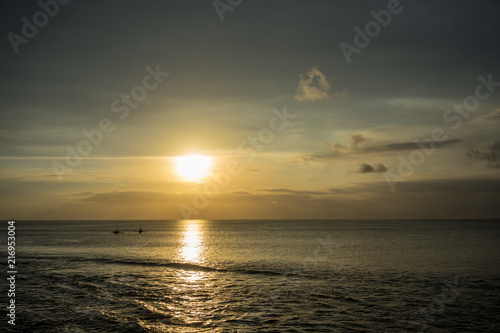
x=363 y=145
x=437 y=198
x=491 y=154
x=367 y=168
x=452 y=186
x=414 y=145
x=449 y=186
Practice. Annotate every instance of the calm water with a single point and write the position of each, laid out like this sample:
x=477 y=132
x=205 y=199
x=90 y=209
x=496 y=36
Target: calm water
x=257 y=276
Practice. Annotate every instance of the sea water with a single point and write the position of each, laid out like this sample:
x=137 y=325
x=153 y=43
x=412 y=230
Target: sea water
x=257 y=276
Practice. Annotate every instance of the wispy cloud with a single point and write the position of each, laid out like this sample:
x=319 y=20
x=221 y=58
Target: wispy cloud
x=341 y=94
x=360 y=144
x=137 y=196
x=493 y=116
x=312 y=86
x=296 y=192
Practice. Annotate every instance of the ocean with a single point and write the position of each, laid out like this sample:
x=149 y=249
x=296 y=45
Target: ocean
x=256 y=276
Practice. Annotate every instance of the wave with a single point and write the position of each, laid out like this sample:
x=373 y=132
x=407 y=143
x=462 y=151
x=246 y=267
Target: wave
x=174 y=265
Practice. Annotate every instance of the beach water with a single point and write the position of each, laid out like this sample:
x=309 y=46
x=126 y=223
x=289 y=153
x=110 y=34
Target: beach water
x=257 y=276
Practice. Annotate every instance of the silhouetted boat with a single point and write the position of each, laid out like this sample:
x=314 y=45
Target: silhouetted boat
x=116 y=231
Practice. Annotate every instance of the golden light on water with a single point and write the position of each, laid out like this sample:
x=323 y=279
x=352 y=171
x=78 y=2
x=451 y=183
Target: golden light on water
x=193 y=167
x=189 y=308
x=192 y=245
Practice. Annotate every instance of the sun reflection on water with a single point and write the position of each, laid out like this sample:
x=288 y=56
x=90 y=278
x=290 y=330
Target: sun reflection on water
x=192 y=242
x=192 y=299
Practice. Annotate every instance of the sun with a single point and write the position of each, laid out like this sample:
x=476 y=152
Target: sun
x=193 y=167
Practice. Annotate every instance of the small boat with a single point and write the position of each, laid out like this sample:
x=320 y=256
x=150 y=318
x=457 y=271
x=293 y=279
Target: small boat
x=141 y=230
x=116 y=231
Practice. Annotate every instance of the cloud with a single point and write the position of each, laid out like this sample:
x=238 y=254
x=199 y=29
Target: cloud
x=295 y=192
x=341 y=94
x=126 y=197
x=493 y=116
x=367 y=168
x=413 y=145
x=423 y=187
x=360 y=144
x=439 y=198
x=492 y=154
x=312 y=86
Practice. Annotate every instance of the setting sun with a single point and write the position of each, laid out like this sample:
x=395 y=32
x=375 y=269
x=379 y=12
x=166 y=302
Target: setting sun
x=193 y=167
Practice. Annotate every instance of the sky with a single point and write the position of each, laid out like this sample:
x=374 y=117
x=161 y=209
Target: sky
x=308 y=109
